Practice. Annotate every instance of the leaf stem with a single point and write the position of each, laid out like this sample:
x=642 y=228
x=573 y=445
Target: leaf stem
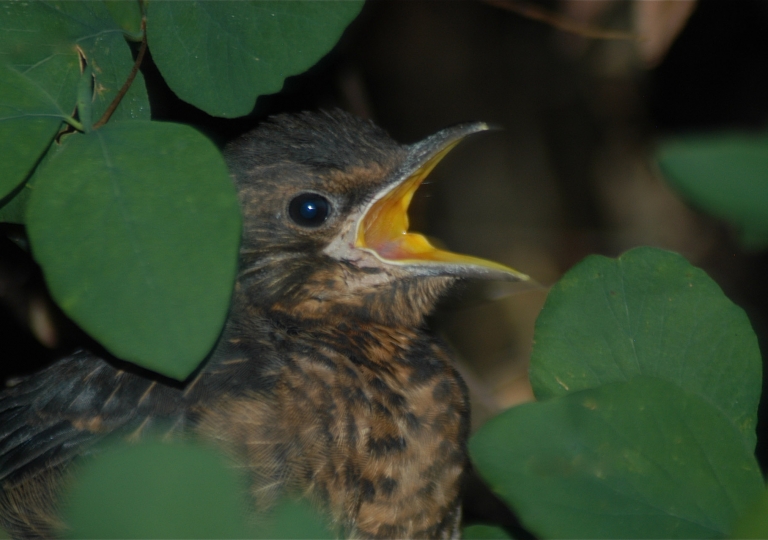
x=74 y=123
x=119 y=97
x=85 y=96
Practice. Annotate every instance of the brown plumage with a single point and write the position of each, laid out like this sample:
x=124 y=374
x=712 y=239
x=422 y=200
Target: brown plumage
x=325 y=382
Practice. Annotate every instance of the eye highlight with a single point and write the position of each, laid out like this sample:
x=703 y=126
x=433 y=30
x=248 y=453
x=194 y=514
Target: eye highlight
x=309 y=209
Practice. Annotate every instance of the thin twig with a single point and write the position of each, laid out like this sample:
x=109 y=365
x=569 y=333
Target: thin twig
x=538 y=13
x=136 y=65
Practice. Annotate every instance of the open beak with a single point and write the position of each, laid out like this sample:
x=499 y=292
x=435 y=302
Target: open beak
x=383 y=229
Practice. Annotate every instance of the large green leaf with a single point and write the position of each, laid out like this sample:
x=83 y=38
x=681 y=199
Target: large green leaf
x=162 y=490
x=725 y=175
x=136 y=226
x=43 y=39
x=638 y=459
x=754 y=522
x=127 y=14
x=156 y=490
x=29 y=119
x=220 y=56
x=649 y=312
x=13 y=207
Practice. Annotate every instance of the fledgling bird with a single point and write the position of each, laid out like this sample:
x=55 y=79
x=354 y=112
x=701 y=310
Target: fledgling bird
x=325 y=381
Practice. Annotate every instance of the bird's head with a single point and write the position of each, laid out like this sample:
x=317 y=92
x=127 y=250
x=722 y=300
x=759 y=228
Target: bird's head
x=325 y=224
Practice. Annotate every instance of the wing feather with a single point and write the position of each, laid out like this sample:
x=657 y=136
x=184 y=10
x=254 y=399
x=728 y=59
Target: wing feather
x=49 y=419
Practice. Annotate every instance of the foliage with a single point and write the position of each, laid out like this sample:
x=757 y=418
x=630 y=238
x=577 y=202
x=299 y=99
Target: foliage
x=650 y=313
x=648 y=380
x=267 y=41
x=725 y=175
x=648 y=377
x=117 y=206
x=754 y=523
x=162 y=490
x=135 y=223
x=132 y=492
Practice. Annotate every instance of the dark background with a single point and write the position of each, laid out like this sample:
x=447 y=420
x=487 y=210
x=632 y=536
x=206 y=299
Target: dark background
x=570 y=172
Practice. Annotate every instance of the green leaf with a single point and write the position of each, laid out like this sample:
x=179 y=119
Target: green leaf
x=13 y=207
x=485 y=532
x=85 y=98
x=136 y=226
x=638 y=459
x=754 y=522
x=29 y=120
x=725 y=175
x=173 y=490
x=220 y=56
x=156 y=490
x=43 y=39
x=649 y=312
x=127 y=14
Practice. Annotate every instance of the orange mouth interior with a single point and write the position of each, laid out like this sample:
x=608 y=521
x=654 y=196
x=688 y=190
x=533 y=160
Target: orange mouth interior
x=384 y=228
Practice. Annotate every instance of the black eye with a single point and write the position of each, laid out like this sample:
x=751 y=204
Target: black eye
x=309 y=209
